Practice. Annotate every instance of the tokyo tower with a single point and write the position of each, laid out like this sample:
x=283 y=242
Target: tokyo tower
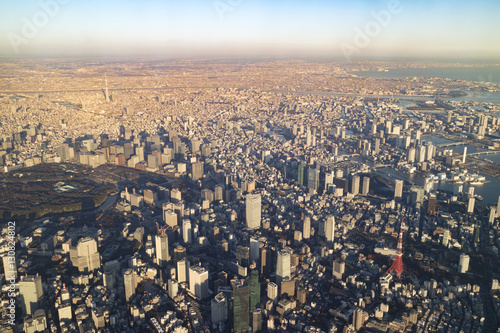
x=397 y=265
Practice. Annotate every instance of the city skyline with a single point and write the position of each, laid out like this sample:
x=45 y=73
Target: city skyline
x=219 y=28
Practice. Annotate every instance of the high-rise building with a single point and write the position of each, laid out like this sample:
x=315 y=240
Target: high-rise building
x=254 y=285
x=398 y=189
x=85 y=255
x=463 y=264
x=470 y=206
x=170 y=217
x=240 y=306
x=306 y=227
x=130 y=282
x=218 y=308
x=173 y=288
x=301 y=174
x=197 y=170
x=253 y=210
x=187 y=234
x=198 y=281
x=31 y=292
x=313 y=179
x=417 y=196
x=355 y=185
x=161 y=246
x=338 y=269
x=431 y=204
x=257 y=320
x=179 y=253
x=254 y=249
x=366 y=186
x=330 y=228
x=219 y=193
x=498 y=207
x=283 y=266
x=358 y=318
x=182 y=270
x=272 y=291
x=446 y=237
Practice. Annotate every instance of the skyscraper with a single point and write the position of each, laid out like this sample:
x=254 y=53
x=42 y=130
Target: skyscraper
x=182 y=269
x=197 y=170
x=240 y=306
x=253 y=210
x=218 y=308
x=301 y=172
x=330 y=228
x=283 y=266
x=470 y=206
x=198 y=281
x=85 y=255
x=130 y=282
x=366 y=185
x=355 y=185
x=31 y=292
x=463 y=264
x=313 y=179
x=254 y=289
x=254 y=249
x=161 y=246
x=187 y=234
x=306 y=228
x=398 y=189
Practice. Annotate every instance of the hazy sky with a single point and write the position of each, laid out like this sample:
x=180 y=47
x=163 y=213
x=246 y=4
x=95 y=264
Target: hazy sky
x=196 y=28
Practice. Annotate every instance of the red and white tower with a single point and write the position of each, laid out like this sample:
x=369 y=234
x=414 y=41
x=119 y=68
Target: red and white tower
x=397 y=265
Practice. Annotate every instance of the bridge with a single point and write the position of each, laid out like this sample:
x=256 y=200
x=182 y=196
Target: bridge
x=484 y=153
x=450 y=144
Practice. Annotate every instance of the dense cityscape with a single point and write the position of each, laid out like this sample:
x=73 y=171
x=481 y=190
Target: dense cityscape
x=247 y=196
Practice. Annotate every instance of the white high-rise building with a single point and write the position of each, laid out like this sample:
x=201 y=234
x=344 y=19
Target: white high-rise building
x=198 y=281
x=161 y=246
x=31 y=292
x=130 y=282
x=463 y=264
x=253 y=210
x=182 y=269
x=187 y=233
x=306 y=228
x=85 y=255
x=330 y=228
x=283 y=266
x=272 y=291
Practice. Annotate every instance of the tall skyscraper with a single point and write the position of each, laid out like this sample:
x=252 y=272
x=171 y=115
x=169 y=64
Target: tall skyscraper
x=254 y=284
x=301 y=174
x=187 y=234
x=198 y=282
x=470 y=206
x=31 y=292
x=313 y=179
x=463 y=264
x=254 y=250
x=241 y=306
x=218 y=308
x=366 y=186
x=355 y=185
x=85 y=255
x=197 y=170
x=272 y=291
x=398 y=189
x=253 y=210
x=283 y=266
x=330 y=228
x=161 y=246
x=306 y=228
x=431 y=204
x=130 y=282
x=358 y=319
x=182 y=270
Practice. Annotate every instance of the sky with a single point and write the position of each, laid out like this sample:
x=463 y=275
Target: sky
x=248 y=28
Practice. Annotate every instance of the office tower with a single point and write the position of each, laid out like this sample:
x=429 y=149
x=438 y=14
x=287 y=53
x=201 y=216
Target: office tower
x=358 y=318
x=241 y=310
x=219 y=193
x=492 y=215
x=170 y=217
x=417 y=196
x=257 y=320
x=308 y=138
x=243 y=255
x=377 y=146
x=498 y=207
x=198 y=281
x=265 y=261
x=85 y=255
x=254 y=249
x=431 y=204
x=195 y=146
x=306 y=227
x=179 y=253
x=218 y=308
x=187 y=234
x=313 y=179
x=197 y=170
x=31 y=293
x=446 y=237
x=173 y=288
x=130 y=282
x=366 y=186
x=37 y=322
x=161 y=246
x=254 y=285
x=272 y=291
x=355 y=185
x=301 y=174
x=411 y=155
x=283 y=266
x=338 y=269
x=470 y=206
x=465 y=155
x=330 y=228
x=398 y=189
x=253 y=210
x=182 y=270
x=448 y=118
x=463 y=264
